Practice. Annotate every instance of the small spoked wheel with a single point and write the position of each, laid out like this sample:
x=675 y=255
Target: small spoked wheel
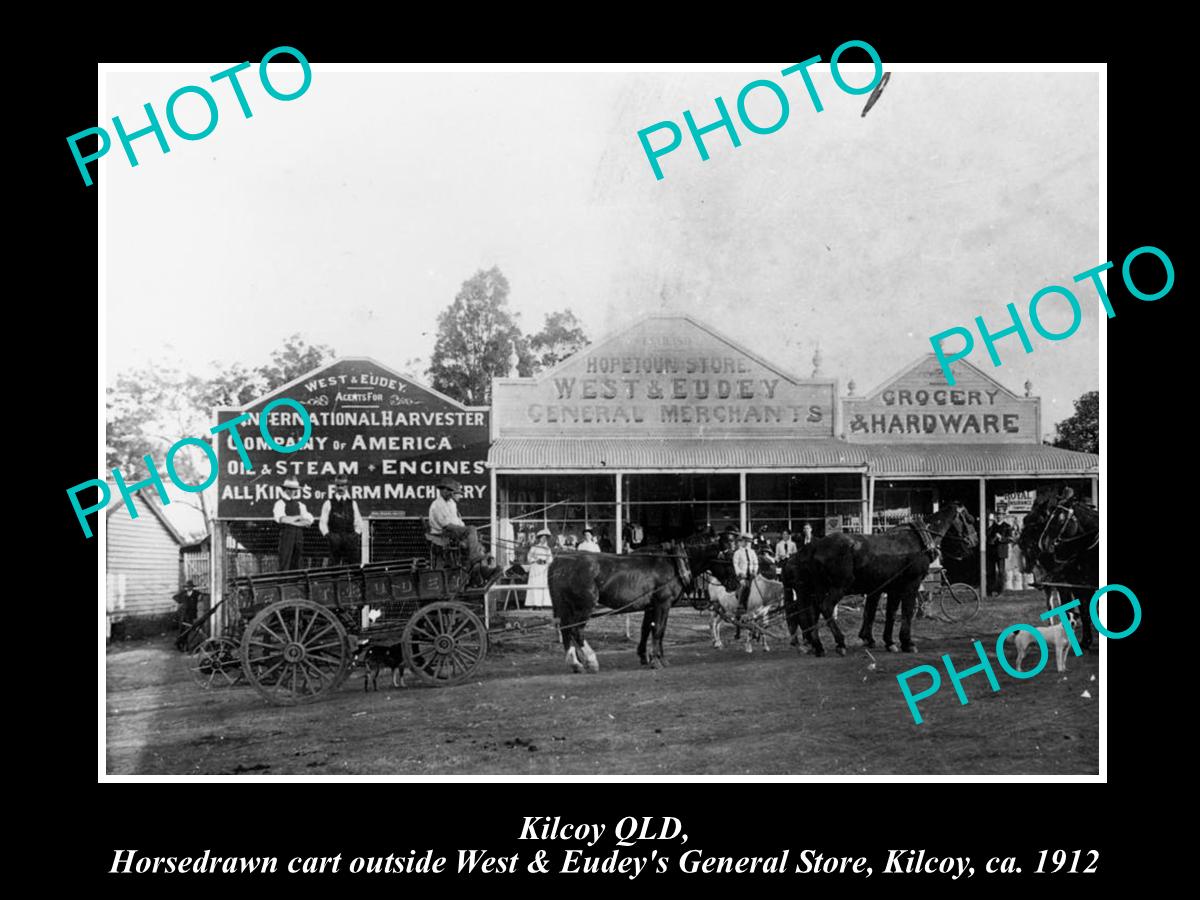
x=215 y=663
x=444 y=643
x=959 y=601
x=295 y=651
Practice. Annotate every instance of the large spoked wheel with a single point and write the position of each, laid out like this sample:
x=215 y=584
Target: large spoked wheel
x=959 y=602
x=295 y=651
x=444 y=643
x=216 y=663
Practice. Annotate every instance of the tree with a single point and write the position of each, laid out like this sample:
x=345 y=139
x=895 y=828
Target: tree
x=150 y=408
x=476 y=334
x=561 y=336
x=1081 y=431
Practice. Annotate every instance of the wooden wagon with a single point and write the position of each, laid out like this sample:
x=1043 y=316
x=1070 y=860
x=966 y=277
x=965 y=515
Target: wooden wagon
x=296 y=632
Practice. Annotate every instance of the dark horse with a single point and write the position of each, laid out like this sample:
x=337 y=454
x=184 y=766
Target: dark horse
x=650 y=581
x=894 y=562
x=1060 y=544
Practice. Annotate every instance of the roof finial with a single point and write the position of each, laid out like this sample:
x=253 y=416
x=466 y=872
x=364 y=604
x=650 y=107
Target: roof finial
x=1028 y=387
x=817 y=361
x=513 y=361
x=850 y=387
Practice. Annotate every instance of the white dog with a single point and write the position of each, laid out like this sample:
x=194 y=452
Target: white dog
x=1054 y=635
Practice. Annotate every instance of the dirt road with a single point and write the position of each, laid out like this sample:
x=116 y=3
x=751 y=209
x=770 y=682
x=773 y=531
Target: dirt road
x=709 y=712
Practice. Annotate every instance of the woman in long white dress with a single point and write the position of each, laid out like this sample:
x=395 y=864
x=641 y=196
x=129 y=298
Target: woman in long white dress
x=538 y=594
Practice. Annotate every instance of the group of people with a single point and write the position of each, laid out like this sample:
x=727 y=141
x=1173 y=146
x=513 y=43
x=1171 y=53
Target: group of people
x=341 y=523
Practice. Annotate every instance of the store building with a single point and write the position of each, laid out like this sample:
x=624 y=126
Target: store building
x=667 y=429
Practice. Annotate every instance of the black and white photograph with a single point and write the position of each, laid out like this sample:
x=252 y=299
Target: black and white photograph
x=597 y=421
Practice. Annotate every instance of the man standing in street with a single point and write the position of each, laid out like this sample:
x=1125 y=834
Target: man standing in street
x=188 y=603
x=444 y=519
x=293 y=518
x=745 y=568
x=999 y=537
x=342 y=525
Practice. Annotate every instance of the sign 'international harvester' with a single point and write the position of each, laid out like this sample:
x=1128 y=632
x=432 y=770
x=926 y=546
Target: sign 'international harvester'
x=391 y=436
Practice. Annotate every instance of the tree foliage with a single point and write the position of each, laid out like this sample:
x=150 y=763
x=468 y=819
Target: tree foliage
x=475 y=336
x=1081 y=431
x=561 y=336
x=149 y=408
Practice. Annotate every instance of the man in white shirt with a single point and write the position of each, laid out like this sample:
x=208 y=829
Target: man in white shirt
x=293 y=518
x=342 y=524
x=745 y=567
x=588 y=543
x=785 y=548
x=444 y=519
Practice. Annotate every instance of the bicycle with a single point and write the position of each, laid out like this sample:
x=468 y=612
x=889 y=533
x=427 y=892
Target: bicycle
x=958 y=601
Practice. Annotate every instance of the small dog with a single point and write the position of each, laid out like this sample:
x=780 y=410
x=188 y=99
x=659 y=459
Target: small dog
x=373 y=657
x=1055 y=636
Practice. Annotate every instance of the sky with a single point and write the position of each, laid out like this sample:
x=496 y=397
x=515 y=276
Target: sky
x=353 y=214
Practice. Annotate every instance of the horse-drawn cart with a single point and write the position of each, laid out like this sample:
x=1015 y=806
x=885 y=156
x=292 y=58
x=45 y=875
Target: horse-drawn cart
x=295 y=633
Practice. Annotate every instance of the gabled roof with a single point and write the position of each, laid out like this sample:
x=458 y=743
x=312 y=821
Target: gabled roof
x=155 y=506
x=926 y=357
x=624 y=330
x=314 y=373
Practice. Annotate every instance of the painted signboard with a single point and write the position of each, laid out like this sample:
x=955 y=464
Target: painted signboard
x=392 y=437
x=919 y=406
x=664 y=376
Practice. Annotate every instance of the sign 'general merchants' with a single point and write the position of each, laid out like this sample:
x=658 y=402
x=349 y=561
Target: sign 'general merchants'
x=918 y=405
x=391 y=436
x=664 y=376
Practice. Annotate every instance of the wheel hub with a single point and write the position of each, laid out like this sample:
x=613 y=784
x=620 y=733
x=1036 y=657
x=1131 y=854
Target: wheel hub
x=293 y=652
x=443 y=643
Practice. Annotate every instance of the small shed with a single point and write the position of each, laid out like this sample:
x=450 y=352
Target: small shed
x=142 y=566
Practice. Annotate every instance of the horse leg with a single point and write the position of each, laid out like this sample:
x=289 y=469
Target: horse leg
x=812 y=622
x=660 y=628
x=838 y=638
x=647 y=624
x=889 y=621
x=868 y=620
x=908 y=604
x=571 y=641
x=1085 y=620
x=715 y=622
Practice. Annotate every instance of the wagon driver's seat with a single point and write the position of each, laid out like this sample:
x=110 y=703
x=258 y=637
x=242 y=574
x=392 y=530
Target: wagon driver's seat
x=444 y=551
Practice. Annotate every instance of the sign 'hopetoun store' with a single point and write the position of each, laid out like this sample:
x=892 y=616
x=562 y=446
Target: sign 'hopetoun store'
x=668 y=377
x=391 y=436
x=918 y=405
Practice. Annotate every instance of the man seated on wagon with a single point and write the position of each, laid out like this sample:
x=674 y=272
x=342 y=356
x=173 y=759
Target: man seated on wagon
x=444 y=521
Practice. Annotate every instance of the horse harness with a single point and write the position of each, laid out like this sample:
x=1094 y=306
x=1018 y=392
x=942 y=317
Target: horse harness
x=1050 y=544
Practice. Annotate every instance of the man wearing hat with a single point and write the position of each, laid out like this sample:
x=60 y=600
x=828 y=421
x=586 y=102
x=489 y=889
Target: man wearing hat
x=589 y=542
x=293 y=518
x=341 y=524
x=444 y=519
x=745 y=568
x=188 y=601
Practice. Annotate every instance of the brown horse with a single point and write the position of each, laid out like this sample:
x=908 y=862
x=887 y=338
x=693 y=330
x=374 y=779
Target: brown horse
x=894 y=562
x=642 y=581
x=1060 y=544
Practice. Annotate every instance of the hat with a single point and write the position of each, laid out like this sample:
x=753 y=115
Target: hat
x=189 y=584
x=449 y=484
x=291 y=484
x=341 y=481
x=589 y=531
x=729 y=529
x=745 y=536
x=546 y=532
